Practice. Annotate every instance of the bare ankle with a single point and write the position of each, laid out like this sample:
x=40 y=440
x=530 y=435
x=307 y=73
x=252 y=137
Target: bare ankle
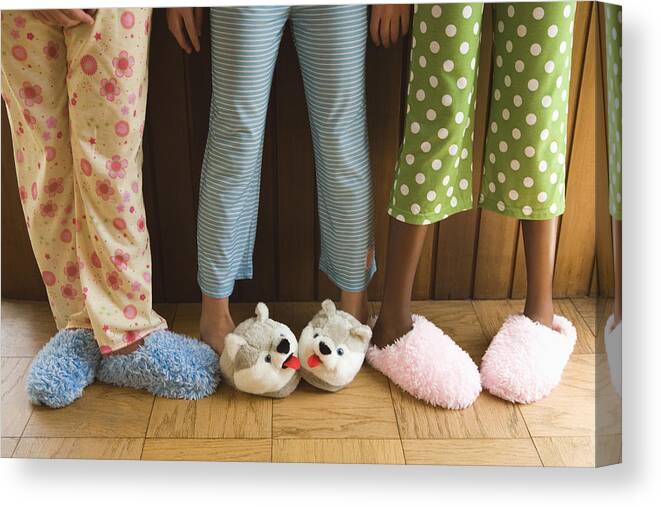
x=356 y=304
x=389 y=328
x=215 y=322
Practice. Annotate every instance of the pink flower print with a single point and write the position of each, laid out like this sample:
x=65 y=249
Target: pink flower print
x=109 y=89
x=20 y=53
x=31 y=94
x=125 y=110
x=19 y=157
x=88 y=64
x=135 y=286
x=115 y=281
x=130 y=336
x=72 y=271
x=49 y=152
x=51 y=122
x=66 y=236
x=126 y=196
x=46 y=136
x=132 y=98
x=54 y=186
x=48 y=209
x=130 y=312
x=123 y=64
x=127 y=19
x=122 y=127
x=141 y=224
x=19 y=21
x=29 y=119
x=51 y=50
x=69 y=292
x=146 y=276
x=105 y=349
x=135 y=186
x=49 y=278
x=23 y=193
x=15 y=34
x=119 y=208
x=117 y=166
x=86 y=167
x=119 y=223
x=104 y=189
x=35 y=191
x=96 y=262
x=120 y=259
x=30 y=36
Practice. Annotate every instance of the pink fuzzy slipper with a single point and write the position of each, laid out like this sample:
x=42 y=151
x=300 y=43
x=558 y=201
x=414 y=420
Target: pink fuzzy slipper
x=430 y=366
x=525 y=360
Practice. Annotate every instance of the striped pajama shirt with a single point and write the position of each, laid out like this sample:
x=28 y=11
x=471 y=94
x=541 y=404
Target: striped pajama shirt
x=330 y=41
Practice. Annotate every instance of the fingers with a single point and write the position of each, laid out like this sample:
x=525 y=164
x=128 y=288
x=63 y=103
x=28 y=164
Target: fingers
x=79 y=16
x=175 y=24
x=189 y=22
x=199 y=20
x=384 y=32
x=405 y=20
x=42 y=17
x=374 y=26
x=394 y=30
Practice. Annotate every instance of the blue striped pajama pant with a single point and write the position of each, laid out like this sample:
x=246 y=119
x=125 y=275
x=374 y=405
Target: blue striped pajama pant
x=330 y=41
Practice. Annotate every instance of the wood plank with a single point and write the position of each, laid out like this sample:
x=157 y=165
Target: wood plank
x=585 y=339
x=26 y=327
x=484 y=452
x=362 y=410
x=566 y=451
x=491 y=315
x=204 y=449
x=16 y=409
x=104 y=411
x=344 y=451
x=457 y=235
x=575 y=259
x=79 y=448
x=7 y=446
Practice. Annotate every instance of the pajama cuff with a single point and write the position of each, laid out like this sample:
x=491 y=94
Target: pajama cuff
x=524 y=213
x=427 y=218
x=348 y=285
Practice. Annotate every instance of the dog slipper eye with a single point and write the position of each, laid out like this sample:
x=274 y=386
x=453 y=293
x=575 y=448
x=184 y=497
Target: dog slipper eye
x=340 y=351
x=267 y=358
x=316 y=335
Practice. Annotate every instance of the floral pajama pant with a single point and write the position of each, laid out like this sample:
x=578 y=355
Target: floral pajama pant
x=76 y=102
x=524 y=168
x=613 y=36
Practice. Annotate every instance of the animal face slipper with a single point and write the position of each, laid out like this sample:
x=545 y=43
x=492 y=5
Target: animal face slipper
x=429 y=365
x=332 y=348
x=260 y=357
x=525 y=360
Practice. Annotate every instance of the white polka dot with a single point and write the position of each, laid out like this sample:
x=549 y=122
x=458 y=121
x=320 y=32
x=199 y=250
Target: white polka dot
x=563 y=46
x=494 y=127
x=499 y=61
x=400 y=218
x=564 y=95
x=476 y=27
x=453 y=202
x=415 y=127
x=453 y=149
x=404 y=189
x=426 y=221
x=442 y=133
x=517 y=100
x=464 y=154
x=526 y=210
x=462 y=82
x=436 y=164
x=436 y=11
x=533 y=84
x=543 y=166
x=501 y=177
x=446 y=180
x=420 y=95
x=450 y=191
x=552 y=31
x=410 y=159
x=492 y=187
x=415 y=208
x=544 y=134
x=431 y=114
x=433 y=81
x=492 y=158
x=515 y=165
x=535 y=49
x=423 y=27
x=446 y=100
x=528 y=182
x=516 y=134
x=513 y=194
x=555 y=115
x=459 y=117
x=448 y=65
x=473 y=63
x=500 y=205
x=431 y=196
x=519 y=66
x=566 y=11
x=426 y=146
x=422 y=61
x=558 y=82
x=502 y=146
x=553 y=178
x=546 y=101
x=496 y=94
x=531 y=119
x=529 y=151
x=538 y=13
x=434 y=47
x=553 y=208
x=468 y=10
x=450 y=30
x=554 y=147
x=549 y=66
x=463 y=184
x=464 y=47
x=510 y=11
x=506 y=114
x=521 y=30
x=509 y=46
x=437 y=209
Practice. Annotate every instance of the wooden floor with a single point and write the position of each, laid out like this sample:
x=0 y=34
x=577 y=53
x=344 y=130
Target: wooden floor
x=371 y=421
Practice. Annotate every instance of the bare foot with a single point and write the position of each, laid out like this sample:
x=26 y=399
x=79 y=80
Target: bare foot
x=356 y=304
x=215 y=322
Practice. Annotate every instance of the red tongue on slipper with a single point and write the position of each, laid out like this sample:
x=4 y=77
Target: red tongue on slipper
x=293 y=362
x=314 y=361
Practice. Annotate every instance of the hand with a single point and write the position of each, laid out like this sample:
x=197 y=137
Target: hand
x=185 y=23
x=388 y=22
x=66 y=18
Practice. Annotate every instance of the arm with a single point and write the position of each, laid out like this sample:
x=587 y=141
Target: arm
x=185 y=24
x=388 y=22
x=65 y=18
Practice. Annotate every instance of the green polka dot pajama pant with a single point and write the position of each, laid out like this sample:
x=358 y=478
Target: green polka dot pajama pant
x=524 y=169
x=613 y=35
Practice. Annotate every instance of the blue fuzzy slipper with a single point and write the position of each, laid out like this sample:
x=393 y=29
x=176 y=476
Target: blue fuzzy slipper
x=167 y=364
x=63 y=368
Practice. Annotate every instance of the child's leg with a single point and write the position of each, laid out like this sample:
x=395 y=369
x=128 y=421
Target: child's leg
x=244 y=48
x=330 y=41
x=539 y=239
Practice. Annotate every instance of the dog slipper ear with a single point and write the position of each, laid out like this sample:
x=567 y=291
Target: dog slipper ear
x=362 y=332
x=262 y=312
x=233 y=342
x=329 y=307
